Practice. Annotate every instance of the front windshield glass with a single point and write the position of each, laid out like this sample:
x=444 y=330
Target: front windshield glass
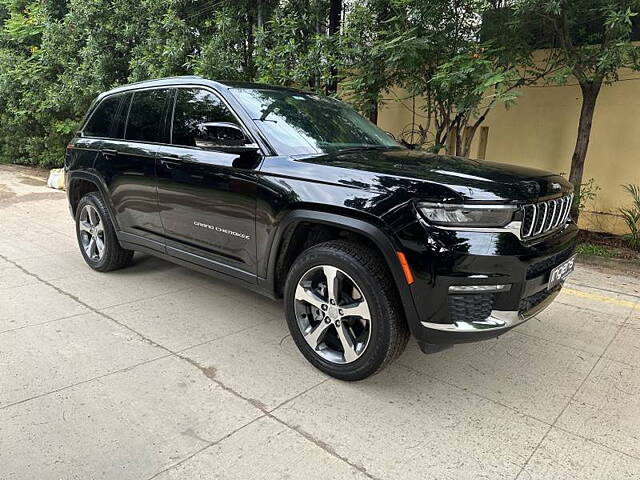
x=299 y=123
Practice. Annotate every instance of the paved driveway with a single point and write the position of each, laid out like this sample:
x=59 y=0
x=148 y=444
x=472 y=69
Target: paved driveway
x=159 y=372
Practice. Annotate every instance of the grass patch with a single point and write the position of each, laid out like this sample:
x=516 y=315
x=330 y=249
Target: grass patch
x=595 y=250
x=605 y=245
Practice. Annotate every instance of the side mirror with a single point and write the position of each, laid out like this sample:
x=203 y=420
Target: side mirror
x=223 y=136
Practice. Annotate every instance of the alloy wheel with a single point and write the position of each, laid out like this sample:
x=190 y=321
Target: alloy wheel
x=91 y=233
x=333 y=314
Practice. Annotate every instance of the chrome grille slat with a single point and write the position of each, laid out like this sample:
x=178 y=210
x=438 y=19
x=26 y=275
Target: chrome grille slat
x=565 y=204
x=569 y=203
x=543 y=217
x=566 y=210
x=560 y=211
x=552 y=222
x=534 y=209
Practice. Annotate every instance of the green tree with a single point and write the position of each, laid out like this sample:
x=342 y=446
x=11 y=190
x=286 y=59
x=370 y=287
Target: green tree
x=445 y=55
x=592 y=40
x=296 y=49
x=369 y=55
x=55 y=57
x=231 y=38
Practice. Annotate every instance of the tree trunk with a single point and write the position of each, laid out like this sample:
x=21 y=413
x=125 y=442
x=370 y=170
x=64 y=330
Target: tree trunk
x=470 y=133
x=335 y=15
x=373 y=114
x=259 y=13
x=249 y=61
x=467 y=140
x=590 y=92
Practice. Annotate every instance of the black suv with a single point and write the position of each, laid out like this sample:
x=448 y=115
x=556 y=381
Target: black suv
x=295 y=195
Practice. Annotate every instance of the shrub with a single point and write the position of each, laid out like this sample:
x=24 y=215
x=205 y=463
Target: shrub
x=631 y=217
x=588 y=192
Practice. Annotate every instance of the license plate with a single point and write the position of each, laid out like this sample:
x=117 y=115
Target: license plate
x=561 y=272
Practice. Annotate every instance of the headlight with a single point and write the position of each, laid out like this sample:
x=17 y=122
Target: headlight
x=486 y=216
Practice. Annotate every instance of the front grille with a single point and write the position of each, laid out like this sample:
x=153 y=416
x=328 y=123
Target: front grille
x=470 y=307
x=531 y=301
x=541 y=218
x=546 y=265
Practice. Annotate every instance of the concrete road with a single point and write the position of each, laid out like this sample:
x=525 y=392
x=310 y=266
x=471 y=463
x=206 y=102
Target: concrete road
x=159 y=372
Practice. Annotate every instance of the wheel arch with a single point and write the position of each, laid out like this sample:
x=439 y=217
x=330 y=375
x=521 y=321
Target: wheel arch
x=373 y=234
x=81 y=183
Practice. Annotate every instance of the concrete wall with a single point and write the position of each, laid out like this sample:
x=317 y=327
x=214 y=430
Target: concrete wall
x=540 y=131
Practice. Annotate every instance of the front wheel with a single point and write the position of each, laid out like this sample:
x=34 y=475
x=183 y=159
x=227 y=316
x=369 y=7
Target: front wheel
x=343 y=311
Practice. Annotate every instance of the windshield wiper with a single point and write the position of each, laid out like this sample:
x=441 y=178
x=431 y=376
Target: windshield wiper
x=363 y=148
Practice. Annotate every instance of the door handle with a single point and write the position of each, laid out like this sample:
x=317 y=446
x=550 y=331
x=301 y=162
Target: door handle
x=108 y=152
x=170 y=162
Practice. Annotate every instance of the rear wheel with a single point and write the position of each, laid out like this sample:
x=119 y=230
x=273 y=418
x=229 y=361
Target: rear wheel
x=342 y=310
x=97 y=237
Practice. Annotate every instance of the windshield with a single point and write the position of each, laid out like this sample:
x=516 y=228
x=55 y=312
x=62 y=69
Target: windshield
x=298 y=123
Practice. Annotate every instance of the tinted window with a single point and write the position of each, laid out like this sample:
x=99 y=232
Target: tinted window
x=121 y=117
x=99 y=124
x=195 y=107
x=146 y=115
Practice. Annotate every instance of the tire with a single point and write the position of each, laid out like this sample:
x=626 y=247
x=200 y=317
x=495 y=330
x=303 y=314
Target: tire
x=365 y=287
x=91 y=209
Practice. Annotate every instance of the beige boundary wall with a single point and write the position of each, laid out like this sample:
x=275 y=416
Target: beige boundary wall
x=540 y=132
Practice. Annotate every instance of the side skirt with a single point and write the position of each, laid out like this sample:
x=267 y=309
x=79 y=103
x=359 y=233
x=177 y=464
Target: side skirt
x=248 y=281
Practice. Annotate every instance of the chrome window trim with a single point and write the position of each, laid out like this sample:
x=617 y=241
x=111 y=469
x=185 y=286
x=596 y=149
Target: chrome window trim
x=170 y=86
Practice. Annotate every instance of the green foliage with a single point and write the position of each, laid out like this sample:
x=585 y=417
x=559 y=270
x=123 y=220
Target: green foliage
x=57 y=55
x=594 y=36
x=372 y=54
x=50 y=70
x=435 y=50
x=294 y=48
x=592 y=40
x=595 y=250
x=631 y=217
x=587 y=193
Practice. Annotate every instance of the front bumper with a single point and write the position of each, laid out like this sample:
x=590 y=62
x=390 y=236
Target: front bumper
x=448 y=259
x=495 y=324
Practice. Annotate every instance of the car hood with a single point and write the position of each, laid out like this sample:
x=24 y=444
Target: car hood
x=475 y=180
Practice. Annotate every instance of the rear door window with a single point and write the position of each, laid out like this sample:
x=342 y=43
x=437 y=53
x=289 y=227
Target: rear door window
x=101 y=121
x=121 y=118
x=146 y=115
x=195 y=107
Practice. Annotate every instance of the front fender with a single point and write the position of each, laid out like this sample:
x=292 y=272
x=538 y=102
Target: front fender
x=383 y=240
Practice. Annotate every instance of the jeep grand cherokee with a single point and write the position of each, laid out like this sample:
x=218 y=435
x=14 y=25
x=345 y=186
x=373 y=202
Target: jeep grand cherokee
x=295 y=195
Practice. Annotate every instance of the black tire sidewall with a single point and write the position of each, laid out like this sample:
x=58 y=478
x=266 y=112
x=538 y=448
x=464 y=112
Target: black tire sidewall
x=380 y=341
x=109 y=233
